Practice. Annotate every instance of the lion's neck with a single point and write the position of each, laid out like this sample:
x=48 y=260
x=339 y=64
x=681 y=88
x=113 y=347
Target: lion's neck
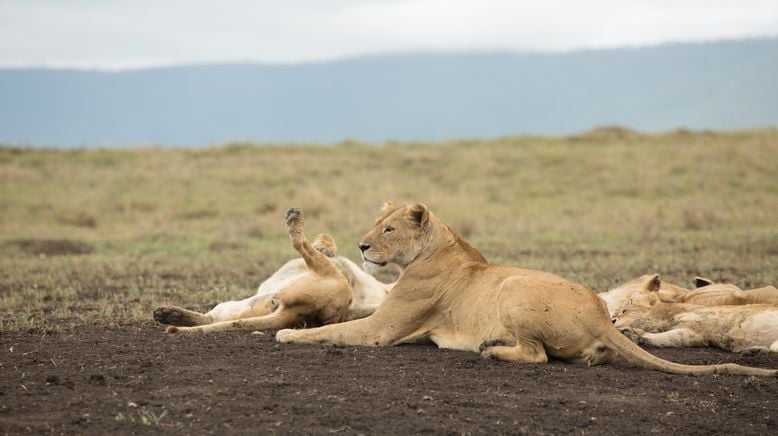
x=445 y=248
x=471 y=251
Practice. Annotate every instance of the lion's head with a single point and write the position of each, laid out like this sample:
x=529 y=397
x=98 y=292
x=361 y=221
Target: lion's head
x=398 y=236
x=645 y=293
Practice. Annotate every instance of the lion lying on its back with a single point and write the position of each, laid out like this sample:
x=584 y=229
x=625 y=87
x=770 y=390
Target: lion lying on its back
x=448 y=293
x=319 y=288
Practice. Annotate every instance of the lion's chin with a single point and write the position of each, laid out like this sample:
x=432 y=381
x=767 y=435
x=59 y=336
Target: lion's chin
x=374 y=262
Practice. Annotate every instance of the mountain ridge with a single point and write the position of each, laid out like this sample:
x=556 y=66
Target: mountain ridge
x=432 y=96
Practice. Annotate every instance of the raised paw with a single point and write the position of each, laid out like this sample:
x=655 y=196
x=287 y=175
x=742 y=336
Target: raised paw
x=496 y=343
x=325 y=244
x=294 y=216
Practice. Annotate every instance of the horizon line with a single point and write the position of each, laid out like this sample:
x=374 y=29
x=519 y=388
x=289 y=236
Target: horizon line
x=605 y=129
x=153 y=65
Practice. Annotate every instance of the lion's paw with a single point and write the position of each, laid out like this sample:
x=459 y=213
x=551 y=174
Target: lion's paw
x=488 y=354
x=171 y=329
x=167 y=315
x=294 y=216
x=634 y=335
x=180 y=317
x=496 y=343
x=325 y=244
x=284 y=336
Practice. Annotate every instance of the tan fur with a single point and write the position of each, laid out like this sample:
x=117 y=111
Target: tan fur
x=319 y=289
x=630 y=294
x=720 y=294
x=738 y=328
x=448 y=293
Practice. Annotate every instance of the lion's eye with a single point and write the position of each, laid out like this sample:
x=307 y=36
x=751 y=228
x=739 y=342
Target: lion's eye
x=388 y=229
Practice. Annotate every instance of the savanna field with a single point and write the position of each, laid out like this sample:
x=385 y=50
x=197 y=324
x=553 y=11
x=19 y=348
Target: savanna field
x=92 y=240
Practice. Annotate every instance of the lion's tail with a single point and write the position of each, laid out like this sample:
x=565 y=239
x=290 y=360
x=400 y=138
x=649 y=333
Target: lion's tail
x=638 y=356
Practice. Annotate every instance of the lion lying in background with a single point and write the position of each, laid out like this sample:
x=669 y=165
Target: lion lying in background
x=746 y=328
x=708 y=293
x=318 y=289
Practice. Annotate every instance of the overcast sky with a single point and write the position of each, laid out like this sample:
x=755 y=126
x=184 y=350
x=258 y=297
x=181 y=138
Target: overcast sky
x=116 y=34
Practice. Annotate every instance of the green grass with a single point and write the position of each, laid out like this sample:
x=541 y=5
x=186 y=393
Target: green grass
x=105 y=235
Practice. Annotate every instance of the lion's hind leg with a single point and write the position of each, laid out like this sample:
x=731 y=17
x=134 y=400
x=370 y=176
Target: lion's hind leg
x=281 y=318
x=229 y=310
x=314 y=259
x=175 y=315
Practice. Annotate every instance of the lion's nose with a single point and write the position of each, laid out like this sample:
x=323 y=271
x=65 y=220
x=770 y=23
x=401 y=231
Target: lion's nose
x=363 y=246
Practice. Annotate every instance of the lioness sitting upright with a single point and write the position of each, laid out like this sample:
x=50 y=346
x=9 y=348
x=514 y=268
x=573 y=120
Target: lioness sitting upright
x=451 y=295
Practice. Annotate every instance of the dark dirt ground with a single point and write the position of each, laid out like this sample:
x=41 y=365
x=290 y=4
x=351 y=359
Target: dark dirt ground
x=135 y=379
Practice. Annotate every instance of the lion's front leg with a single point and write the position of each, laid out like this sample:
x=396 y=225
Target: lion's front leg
x=363 y=311
x=361 y=332
x=679 y=337
x=281 y=318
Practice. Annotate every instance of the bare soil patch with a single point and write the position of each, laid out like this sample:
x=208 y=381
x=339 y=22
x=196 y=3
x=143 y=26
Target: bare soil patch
x=135 y=379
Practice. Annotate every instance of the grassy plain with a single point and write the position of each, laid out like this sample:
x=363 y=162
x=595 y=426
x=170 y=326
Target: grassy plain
x=103 y=236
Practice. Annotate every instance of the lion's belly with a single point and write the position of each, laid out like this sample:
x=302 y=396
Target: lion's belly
x=454 y=341
x=280 y=279
x=465 y=320
x=468 y=334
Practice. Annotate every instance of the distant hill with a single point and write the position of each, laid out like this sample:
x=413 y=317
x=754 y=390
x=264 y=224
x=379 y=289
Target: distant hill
x=720 y=85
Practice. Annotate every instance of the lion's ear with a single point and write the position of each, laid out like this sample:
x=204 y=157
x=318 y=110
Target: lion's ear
x=700 y=282
x=653 y=284
x=417 y=214
x=388 y=208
